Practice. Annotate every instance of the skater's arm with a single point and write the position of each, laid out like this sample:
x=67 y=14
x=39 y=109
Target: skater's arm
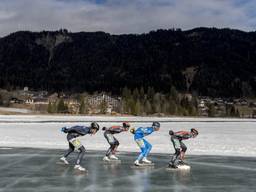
x=80 y=130
x=183 y=135
x=116 y=129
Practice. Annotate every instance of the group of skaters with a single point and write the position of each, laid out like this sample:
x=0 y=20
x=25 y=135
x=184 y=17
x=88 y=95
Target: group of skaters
x=139 y=133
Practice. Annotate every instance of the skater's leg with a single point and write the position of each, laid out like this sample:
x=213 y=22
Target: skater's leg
x=110 y=139
x=148 y=147
x=109 y=150
x=80 y=155
x=183 y=151
x=176 y=155
x=70 y=150
x=141 y=144
x=175 y=158
x=116 y=144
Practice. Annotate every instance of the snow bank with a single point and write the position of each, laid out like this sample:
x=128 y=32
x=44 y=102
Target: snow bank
x=235 y=137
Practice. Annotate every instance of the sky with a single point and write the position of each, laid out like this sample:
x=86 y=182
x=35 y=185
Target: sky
x=125 y=16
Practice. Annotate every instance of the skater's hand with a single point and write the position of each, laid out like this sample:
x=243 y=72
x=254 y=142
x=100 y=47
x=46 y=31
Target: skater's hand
x=132 y=130
x=64 y=129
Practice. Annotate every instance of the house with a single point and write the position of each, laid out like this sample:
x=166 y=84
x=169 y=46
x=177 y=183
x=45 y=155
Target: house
x=96 y=100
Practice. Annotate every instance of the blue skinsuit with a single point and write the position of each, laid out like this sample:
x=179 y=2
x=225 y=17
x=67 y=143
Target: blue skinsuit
x=144 y=145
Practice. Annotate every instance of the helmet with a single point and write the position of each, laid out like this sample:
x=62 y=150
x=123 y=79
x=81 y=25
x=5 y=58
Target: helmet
x=156 y=124
x=95 y=125
x=171 y=132
x=126 y=124
x=193 y=130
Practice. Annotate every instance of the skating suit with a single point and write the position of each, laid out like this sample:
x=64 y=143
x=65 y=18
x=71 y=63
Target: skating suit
x=76 y=131
x=177 y=138
x=113 y=142
x=144 y=145
x=109 y=132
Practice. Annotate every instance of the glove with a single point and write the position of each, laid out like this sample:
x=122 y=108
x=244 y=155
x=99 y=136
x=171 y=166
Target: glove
x=132 y=130
x=64 y=129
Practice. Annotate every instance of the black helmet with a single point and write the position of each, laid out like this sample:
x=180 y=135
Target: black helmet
x=126 y=124
x=95 y=125
x=171 y=132
x=193 y=130
x=156 y=124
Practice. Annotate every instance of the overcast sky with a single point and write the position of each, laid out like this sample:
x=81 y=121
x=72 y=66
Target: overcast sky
x=125 y=16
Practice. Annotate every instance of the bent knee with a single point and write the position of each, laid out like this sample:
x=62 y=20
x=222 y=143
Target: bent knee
x=184 y=149
x=82 y=149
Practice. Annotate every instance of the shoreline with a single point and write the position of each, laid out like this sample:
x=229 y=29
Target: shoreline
x=43 y=118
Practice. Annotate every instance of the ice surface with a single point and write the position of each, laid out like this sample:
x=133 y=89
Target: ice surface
x=235 y=137
x=30 y=170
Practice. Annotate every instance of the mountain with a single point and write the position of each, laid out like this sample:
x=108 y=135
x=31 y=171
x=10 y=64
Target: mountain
x=209 y=61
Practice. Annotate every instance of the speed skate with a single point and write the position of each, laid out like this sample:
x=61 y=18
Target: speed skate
x=179 y=167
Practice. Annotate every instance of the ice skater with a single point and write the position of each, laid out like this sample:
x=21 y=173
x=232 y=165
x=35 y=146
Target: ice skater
x=179 y=147
x=113 y=142
x=144 y=145
x=74 y=142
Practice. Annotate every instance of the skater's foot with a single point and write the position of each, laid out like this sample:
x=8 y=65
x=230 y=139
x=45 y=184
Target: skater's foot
x=172 y=166
x=145 y=160
x=64 y=160
x=182 y=163
x=106 y=158
x=113 y=157
x=79 y=167
x=137 y=163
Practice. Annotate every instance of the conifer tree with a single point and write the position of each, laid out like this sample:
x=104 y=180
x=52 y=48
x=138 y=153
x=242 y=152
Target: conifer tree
x=211 y=111
x=103 y=107
x=136 y=94
x=157 y=103
x=150 y=93
x=50 y=108
x=148 y=107
x=137 y=110
x=61 y=107
x=1 y=100
x=142 y=94
x=82 y=107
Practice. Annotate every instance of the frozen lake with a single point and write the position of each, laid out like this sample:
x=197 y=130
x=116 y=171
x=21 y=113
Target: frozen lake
x=228 y=137
x=222 y=157
x=29 y=170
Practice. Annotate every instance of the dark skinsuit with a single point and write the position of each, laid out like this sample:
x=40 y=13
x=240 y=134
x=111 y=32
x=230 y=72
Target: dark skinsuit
x=74 y=143
x=113 y=142
x=179 y=146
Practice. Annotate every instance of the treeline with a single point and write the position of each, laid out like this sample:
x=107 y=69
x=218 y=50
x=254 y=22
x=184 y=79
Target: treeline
x=139 y=102
x=58 y=107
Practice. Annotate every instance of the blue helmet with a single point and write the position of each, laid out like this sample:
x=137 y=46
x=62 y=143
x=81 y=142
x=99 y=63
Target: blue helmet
x=156 y=124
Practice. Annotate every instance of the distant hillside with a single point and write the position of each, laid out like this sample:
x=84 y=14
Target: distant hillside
x=213 y=62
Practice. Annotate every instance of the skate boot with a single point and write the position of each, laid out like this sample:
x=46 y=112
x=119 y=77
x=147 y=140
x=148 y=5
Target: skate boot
x=137 y=163
x=64 y=160
x=182 y=163
x=146 y=161
x=79 y=167
x=171 y=165
x=113 y=157
x=106 y=158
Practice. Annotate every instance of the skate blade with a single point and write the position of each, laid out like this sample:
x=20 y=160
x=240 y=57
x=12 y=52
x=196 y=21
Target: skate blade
x=61 y=163
x=112 y=161
x=143 y=166
x=179 y=168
